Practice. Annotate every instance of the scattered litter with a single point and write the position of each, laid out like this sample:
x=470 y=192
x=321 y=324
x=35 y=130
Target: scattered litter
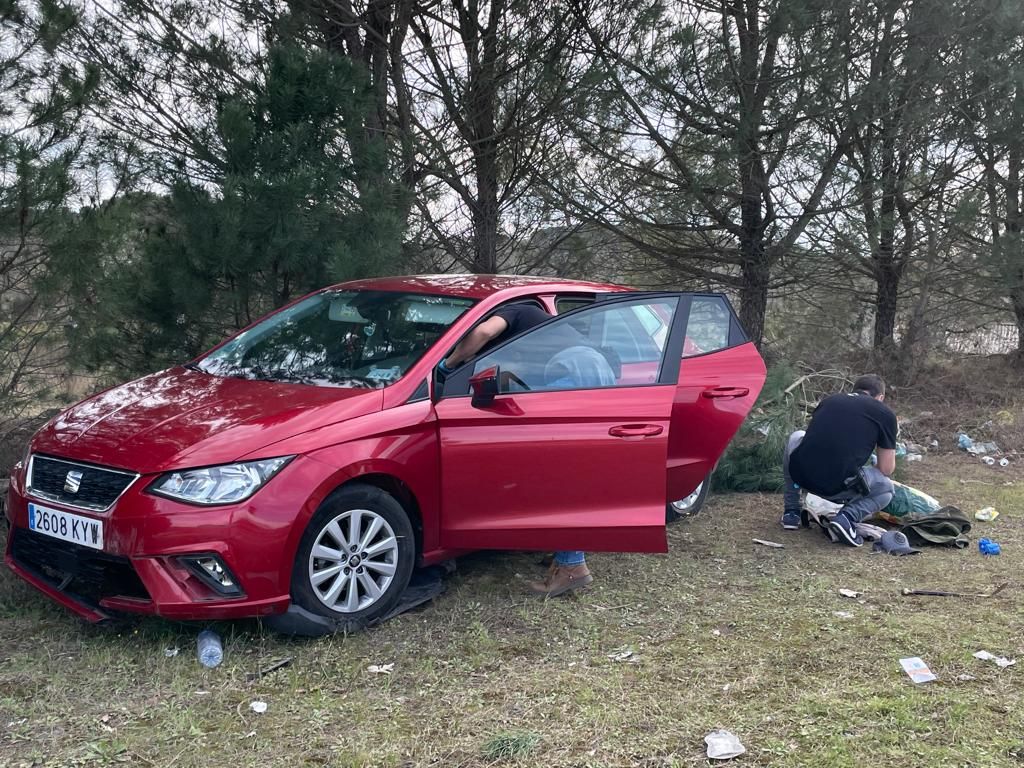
x=986 y=514
x=209 y=649
x=944 y=593
x=977 y=449
x=723 y=745
x=765 y=429
x=1000 y=661
x=965 y=677
x=381 y=669
x=988 y=460
x=914 y=457
x=988 y=547
x=772 y=544
x=624 y=654
x=850 y=593
x=259 y=707
x=917 y=669
x=934 y=443
x=170 y=653
x=1004 y=462
x=272 y=668
x=842 y=614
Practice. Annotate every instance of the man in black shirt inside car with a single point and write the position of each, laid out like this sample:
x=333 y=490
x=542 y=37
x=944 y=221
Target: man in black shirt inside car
x=506 y=322
x=829 y=458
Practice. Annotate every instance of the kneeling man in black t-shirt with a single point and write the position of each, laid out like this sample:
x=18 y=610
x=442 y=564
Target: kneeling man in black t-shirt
x=828 y=459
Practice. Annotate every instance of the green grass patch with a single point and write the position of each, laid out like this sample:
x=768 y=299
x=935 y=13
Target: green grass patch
x=504 y=746
x=725 y=633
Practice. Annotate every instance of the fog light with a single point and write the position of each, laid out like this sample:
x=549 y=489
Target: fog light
x=212 y=571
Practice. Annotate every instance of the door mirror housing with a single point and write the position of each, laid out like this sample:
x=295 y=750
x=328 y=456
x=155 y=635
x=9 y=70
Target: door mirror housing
x=484 y=385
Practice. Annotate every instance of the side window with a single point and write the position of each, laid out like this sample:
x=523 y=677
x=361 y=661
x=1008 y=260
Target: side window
x=707 y=329
x=585 y=350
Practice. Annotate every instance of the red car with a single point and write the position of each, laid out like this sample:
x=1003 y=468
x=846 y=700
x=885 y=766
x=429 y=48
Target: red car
x=317 y=457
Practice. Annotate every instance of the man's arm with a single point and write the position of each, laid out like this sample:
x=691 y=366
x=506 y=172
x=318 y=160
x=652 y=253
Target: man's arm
x=886 y=461
x=475 y=340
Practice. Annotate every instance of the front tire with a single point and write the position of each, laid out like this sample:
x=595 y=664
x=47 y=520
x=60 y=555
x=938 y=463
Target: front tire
x=356 y=556
x=690 y=505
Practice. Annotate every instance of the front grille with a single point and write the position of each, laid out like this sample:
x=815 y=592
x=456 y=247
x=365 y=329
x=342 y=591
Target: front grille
x=84 y=574
x=97 y=488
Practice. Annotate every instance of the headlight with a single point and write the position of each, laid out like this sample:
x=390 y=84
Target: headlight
x=226 y=484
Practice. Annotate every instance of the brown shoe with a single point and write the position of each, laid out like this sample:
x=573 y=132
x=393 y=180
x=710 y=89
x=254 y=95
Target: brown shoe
x=562 y=579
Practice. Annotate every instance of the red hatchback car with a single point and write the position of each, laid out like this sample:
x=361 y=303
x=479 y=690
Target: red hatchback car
x=317 y=457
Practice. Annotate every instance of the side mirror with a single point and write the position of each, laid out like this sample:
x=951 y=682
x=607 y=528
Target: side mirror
x=484 y=386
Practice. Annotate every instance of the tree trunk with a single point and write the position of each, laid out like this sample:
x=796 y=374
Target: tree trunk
x=1017 y=299
x=754 y=298
x=886 y=295
x=482 y=107
x=485 y=217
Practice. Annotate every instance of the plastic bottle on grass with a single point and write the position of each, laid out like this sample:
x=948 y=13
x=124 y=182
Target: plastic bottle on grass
x=210 y=651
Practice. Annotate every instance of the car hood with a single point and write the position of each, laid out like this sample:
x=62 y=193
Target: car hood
x=184 y=418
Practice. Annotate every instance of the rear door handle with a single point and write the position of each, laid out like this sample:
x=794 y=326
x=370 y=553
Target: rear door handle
x=726 y=392
x=636 y=430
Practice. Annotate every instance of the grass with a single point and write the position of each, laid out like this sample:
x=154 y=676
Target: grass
x=725 y=634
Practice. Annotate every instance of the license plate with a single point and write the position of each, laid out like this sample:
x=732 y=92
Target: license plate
x=63 y=525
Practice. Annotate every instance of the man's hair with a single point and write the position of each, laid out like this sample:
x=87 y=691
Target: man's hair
x=870 y=384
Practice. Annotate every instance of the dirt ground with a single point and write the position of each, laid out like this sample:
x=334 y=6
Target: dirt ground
x=719 y=633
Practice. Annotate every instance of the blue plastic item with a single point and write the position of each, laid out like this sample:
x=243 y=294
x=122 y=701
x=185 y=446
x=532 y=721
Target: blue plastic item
x=964 y=441
x=988 y=547
x=209 y=649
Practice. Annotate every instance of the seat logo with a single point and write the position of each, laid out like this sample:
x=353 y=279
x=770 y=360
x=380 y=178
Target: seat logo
x=73 y=481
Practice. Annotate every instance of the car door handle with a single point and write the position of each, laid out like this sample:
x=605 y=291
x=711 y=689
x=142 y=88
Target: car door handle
x=726 y=392
x=636 y=430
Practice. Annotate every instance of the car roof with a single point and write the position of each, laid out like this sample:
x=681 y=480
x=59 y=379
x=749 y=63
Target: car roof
x=475 y=286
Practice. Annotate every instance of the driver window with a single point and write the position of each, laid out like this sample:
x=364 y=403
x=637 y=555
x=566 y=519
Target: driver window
x=587 y=349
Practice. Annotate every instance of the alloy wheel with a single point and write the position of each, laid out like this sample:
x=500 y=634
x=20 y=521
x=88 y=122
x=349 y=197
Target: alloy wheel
x=684 y=504
x=353 y=561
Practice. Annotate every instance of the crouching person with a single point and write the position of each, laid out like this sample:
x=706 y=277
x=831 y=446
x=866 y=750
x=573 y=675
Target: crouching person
x=828 y=459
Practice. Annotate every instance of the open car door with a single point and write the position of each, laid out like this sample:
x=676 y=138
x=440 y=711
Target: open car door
x=559 y=438
x=720 y=376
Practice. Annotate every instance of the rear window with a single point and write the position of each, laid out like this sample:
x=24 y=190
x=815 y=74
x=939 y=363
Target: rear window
x=708 y=327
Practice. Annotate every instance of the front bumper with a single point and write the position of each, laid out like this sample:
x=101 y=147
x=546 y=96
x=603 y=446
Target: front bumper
x=139 y=569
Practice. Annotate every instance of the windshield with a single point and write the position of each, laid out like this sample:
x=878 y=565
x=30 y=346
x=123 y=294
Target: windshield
x=365 y=339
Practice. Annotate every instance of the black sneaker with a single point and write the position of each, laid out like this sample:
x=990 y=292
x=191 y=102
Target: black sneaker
x=845 y=530
x=791 y=521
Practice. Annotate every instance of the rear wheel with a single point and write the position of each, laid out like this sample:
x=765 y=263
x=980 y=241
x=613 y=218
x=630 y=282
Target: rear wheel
x=356 y=556
x=688 y=506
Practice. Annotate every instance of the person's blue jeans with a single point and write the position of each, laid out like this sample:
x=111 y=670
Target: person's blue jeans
x=855 y=506
x=570 y=559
